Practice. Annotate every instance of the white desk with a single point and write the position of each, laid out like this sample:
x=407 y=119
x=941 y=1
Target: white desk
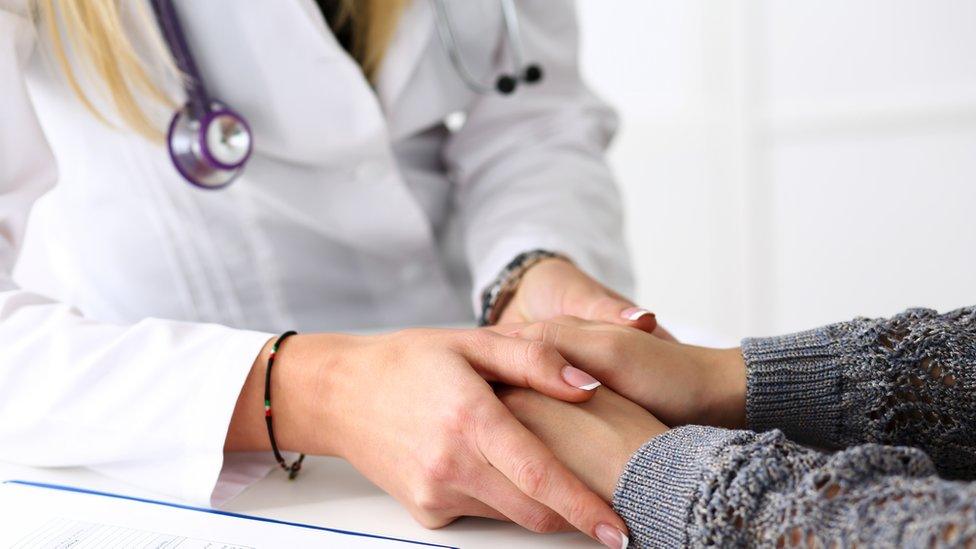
x=329 y=492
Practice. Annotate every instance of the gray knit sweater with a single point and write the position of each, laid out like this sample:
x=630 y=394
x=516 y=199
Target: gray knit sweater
x=896 y=397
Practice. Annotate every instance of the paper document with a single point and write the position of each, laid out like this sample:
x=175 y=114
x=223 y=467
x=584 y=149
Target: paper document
x=47 y=516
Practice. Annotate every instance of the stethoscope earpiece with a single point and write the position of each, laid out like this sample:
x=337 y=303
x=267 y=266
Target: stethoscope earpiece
x=505 y=84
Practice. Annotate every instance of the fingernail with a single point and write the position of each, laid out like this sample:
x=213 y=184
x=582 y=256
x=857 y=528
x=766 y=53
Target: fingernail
x=611 y=537
x=579 y=379
x=634 y=313
x=513 y=333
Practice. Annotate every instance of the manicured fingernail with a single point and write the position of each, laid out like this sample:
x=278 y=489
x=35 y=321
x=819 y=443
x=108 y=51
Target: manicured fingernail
x=634 y=313
x=611 y=537
x=579 y=379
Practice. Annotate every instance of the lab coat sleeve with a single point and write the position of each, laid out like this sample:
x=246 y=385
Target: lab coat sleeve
x=148 y=403
x=530 y=167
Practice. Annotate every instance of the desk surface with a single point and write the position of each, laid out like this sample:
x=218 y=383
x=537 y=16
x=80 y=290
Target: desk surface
x=329 y=493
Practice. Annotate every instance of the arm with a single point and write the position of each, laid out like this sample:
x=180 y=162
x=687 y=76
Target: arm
x=531 y=174
x=706 y=486
x=722 y=487
x=907 y=380
x=64 y=377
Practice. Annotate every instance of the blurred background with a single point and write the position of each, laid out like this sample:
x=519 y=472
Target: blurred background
x=789 y=164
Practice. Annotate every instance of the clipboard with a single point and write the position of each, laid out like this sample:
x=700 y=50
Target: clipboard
x=46 y=515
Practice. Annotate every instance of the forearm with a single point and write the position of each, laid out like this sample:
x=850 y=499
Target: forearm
x=908 y=380
x=300 y=384
x=697 y=486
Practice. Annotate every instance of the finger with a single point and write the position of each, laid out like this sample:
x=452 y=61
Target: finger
x=512 y=329
x=534 y=470
x=607 y=306
x=581 y=343
x=477 y=508
x=507 y=329
x=467 y=507
x=498 y=495
x=525 y=363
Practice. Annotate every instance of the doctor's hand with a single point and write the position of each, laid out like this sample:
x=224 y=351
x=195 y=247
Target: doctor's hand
x=680 y=384
x=415 y=412
x=555 y=287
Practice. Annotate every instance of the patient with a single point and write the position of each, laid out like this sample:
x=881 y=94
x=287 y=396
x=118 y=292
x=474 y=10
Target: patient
x=896 y=396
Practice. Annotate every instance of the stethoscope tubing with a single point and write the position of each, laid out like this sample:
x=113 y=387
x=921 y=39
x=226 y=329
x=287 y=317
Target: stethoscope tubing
x=196 y=89
x=188 y=136
x=513 y=36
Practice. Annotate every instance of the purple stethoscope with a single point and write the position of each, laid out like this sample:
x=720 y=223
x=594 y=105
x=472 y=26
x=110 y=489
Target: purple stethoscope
x=209 y=143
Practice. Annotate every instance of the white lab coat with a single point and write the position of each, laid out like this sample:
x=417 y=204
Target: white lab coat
x=138 y=302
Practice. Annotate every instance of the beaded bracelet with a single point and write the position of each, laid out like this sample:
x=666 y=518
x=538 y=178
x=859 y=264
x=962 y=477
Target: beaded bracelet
x=496 y=296
x=297 y=464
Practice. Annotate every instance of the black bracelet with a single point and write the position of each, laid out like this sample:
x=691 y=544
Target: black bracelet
x=296 y=466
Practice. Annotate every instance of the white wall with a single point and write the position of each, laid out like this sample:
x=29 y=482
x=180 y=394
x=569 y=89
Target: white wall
x=786 y=164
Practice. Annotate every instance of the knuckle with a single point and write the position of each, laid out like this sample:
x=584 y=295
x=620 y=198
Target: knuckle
x=532 y=476
x=431 y=521
x=577 y=510
x=440 y=468
x=538 y=351
x=431 y=501
x=458 y=416
x=545 y=521
x=550 y=332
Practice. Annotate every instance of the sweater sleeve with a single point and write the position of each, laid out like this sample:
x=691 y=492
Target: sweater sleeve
x=909 y=380
x=704 y=486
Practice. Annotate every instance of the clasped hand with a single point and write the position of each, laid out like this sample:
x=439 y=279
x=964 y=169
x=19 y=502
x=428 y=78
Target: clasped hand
x=649 y=384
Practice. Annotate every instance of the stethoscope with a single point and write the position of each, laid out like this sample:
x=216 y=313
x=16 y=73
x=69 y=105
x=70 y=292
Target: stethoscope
x=209 y=143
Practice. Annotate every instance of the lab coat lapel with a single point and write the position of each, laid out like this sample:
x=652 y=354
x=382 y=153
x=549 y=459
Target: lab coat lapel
x=409 y=41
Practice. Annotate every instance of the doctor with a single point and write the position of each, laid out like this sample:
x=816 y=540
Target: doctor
x=363 y=164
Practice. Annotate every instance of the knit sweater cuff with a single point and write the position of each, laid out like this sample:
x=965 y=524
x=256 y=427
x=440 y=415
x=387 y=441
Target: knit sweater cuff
x=794 y=384
x=656 y=493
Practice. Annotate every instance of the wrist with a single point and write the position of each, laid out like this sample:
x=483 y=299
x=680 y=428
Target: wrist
x=725 y=398
x=299 y=398
x=501 y=293
x=305 y=393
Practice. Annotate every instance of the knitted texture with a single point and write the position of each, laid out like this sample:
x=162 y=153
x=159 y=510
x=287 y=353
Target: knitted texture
x=909 y=380
x=905 y=381
x=704 y=486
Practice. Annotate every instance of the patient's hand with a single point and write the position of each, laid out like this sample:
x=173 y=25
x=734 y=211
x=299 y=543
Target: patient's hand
x=595 y=439
x=680 y=384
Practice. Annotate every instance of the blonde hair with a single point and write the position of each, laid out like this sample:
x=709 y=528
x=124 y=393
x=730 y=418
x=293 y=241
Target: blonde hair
x=95 y=33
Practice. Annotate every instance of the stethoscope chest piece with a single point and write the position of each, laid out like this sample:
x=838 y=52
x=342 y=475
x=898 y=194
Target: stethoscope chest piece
x=210 y=143
x=209 y=151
